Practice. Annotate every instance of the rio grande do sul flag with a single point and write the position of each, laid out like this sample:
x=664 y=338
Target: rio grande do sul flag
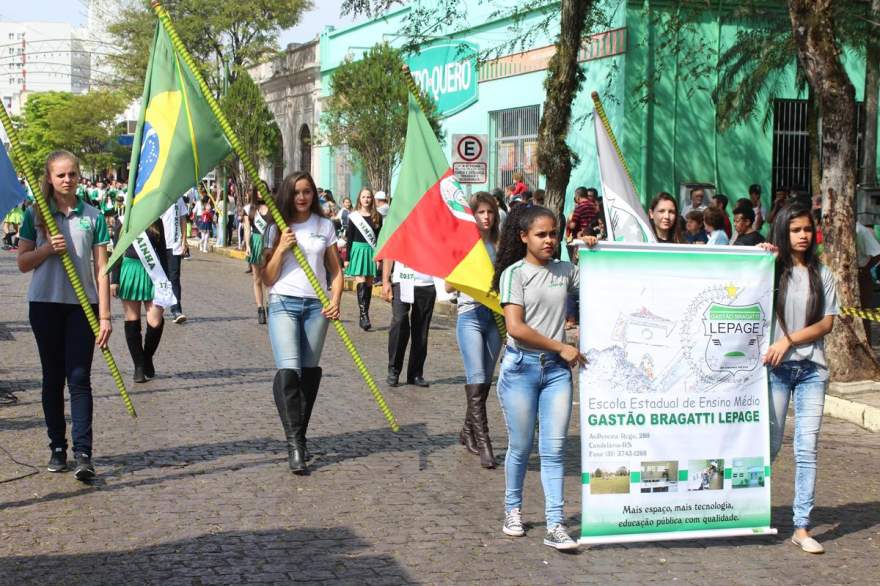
x=178 y=141
x=625 y=219
x=430 y=227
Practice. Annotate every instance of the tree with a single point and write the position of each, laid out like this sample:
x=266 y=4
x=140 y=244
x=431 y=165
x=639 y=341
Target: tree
x=818 y=51
x=222 y=36
x=252 y=121
x=82 y=124
x=872 y=89
x=367 y=111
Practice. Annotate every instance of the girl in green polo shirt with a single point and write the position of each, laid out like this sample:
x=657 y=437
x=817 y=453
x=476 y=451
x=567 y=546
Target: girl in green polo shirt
x=64 y=338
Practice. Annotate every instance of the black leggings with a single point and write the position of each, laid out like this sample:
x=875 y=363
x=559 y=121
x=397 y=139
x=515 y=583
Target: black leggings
x=66 y=345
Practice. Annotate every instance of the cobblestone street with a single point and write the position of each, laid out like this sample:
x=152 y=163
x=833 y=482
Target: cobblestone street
x=197 y=490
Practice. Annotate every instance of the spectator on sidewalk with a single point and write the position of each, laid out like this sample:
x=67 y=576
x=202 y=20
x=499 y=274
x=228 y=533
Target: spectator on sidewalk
x=868 y=257
x=694 y=232
x=412 y=295
x=744 y=223
x=696 y=202
x=757 y=206
x=713 y=222
x=720 y=201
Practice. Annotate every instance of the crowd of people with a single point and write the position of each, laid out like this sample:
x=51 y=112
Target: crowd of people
x=535 y=287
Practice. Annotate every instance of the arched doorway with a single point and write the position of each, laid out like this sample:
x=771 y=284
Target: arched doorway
x=305 y=148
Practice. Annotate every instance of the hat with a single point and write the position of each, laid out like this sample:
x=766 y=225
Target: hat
x=380 y=195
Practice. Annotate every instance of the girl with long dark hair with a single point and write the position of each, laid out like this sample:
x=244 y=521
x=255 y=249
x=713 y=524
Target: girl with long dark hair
x=257 y=220
x=363 y=228
x=297 y=321
x=131 y=282
x=535 y=380
x=479 y=342
x=665 y=222
x=64 y=338
x=805 y=306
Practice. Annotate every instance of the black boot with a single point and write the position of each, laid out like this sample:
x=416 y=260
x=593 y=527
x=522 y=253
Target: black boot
x=311 y=381
x=466 y=435
x=152 y=337
x=362 y=306
x=135 y=348
x=290 y=403
x=368 y=296
x=393 y=379
x=481 y=426
x=261 y=315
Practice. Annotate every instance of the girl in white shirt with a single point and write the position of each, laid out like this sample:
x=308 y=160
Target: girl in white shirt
x=297 y=321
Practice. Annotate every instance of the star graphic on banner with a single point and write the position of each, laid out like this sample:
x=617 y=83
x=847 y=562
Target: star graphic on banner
x=732 y=290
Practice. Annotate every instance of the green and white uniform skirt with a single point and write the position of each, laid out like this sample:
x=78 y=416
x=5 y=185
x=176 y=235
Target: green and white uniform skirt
x=361 y=260
x=256 y=255
x=134 y=281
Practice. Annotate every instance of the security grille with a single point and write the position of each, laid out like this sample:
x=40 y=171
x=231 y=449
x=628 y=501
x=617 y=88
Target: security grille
x=791 y=146
x=515 y=135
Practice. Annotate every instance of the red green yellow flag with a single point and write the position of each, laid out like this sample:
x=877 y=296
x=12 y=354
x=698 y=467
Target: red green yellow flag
x=430 y=227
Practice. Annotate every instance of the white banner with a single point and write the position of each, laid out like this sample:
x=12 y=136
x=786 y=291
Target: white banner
x=674 y=415
x=163 y=294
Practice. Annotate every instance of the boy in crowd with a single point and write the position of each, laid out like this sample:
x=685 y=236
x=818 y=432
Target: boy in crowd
x=755 y=198
x=720 y=201
x=585 y=211
x=744 y=224
x=693 y=228
x=713 y=222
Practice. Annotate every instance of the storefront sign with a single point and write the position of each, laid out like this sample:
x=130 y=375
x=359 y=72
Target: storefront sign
x=447 y=72
x=675 y=440
x=469 y=158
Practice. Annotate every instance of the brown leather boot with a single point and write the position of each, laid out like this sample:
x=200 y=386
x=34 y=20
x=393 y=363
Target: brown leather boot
x=466 y=435
x=480 y=426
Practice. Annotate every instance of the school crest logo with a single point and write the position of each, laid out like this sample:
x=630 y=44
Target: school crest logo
x=734 y=336
x=453 y=197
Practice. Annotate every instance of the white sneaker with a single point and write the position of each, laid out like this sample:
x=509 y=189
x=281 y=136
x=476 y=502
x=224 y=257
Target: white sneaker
x=557 y=537
x=808 y=544
x=513 y=523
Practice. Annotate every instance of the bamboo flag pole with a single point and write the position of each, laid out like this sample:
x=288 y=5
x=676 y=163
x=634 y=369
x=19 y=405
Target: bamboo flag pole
x=66 y=261
x=251 y=170
x=600 y=110
x=414 y=90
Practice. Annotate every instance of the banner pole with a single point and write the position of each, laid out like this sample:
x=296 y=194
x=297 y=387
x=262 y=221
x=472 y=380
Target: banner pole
x=600 y=110
x=251 y=170
x=66 y=261
x=414 y=90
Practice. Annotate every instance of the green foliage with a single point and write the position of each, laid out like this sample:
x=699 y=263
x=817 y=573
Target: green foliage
x=82 y=124
x=251 y=119
x=367 y=110
x=239 y=34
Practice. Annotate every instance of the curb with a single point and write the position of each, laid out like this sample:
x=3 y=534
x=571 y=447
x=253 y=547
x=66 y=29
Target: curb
x=863 y=415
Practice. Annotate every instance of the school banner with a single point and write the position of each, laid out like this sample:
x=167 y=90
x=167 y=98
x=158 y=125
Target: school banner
x=675 y=439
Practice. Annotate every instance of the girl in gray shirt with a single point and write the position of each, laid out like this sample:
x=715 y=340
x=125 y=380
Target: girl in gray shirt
x=805 y=306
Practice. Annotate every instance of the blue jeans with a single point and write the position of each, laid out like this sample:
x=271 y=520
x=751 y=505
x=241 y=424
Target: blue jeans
x=479 y=343
x=296 y=330
x=532 y=386
x=806 y=381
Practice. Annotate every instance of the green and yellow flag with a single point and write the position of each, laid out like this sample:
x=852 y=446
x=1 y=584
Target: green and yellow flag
x=177 y=142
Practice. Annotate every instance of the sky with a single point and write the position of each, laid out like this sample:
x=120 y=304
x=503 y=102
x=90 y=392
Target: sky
x=325 y=12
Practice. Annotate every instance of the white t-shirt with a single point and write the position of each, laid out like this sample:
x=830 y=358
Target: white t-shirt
x=420 y=279
x=314 y=236
x=383 y=209
x=867 y=246
x=171 y=222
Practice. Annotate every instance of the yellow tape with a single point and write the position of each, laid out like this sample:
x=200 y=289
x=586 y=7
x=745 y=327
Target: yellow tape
x=872 y=314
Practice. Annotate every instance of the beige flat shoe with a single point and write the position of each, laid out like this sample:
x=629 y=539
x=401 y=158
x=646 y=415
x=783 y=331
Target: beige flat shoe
x=808 y=544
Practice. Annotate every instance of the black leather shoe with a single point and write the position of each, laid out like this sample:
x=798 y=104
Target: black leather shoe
x=418 y=381
x=393 y=379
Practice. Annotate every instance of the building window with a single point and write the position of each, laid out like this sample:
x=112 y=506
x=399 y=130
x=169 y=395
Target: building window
x=305 y=148
x=791 y=146
x=342 y=172
x=515 y=138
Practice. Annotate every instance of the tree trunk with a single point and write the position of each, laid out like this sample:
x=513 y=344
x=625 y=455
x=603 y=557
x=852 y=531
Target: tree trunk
x=813 y=130
x=564 y=78
x=872 y=89
x=850 y=358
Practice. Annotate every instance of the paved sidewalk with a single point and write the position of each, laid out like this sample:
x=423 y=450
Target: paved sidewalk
x=196 y=491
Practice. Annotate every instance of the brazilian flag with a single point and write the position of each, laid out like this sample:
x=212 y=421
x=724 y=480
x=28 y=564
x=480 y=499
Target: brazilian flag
x=177 y=142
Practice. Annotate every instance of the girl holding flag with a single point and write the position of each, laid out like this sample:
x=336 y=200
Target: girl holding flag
x=141 y=278
x=534 y=384
x=363 y=228
x=297 y=321
x=479 y=342
x=64 y=338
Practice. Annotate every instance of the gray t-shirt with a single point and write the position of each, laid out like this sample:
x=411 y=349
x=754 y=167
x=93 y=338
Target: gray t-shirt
x=83 y=229
x=542 y=292
x=796 y=300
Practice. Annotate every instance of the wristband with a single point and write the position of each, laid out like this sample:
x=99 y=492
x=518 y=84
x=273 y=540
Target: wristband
x=104 y=319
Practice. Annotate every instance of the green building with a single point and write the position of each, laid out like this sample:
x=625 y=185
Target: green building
x=670 y=140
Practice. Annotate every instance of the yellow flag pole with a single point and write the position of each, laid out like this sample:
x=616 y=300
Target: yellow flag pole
x=251 y=170
x=414 y=90
x=52 y=227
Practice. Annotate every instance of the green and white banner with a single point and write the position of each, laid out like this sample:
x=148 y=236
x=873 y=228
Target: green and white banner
x=675 y=439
